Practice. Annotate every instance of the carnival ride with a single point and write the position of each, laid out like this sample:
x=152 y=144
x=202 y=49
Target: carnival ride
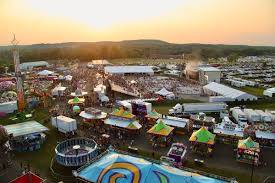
x=76 y=152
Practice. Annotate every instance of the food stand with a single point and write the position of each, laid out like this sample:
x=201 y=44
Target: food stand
x=27 y=136
x=248 y=151
x=152 y=117
x=202 y=141
x=160 y=134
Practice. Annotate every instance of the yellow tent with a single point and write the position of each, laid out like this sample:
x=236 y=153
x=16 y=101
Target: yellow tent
x=203 y=136
x=122 y=113
x=161 y=129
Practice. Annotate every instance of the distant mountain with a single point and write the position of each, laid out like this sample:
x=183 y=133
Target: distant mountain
x=142 y=48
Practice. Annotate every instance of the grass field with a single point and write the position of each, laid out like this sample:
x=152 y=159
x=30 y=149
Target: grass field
x=253 y=90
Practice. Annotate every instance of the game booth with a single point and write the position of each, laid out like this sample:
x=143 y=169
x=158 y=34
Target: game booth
x=180 y=125
x=199 y=120
x=248 y=151
x=27 y=136
x=160 y=134
x=93 y=116
x=120 y=167
x=177 y=154
x=152 y=118
x=202 y=141
x=125 y=120
x=228 y=132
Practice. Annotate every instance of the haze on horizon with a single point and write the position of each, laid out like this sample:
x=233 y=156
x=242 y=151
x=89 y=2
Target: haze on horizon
x=250 y=22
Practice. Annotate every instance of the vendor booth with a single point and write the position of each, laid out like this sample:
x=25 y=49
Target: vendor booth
x=160 y=134
x=199 y=120
x=228 y=132
x=202 y=141
x=79 y=93
x=122 y=119
x=76 y=100
x=180 y=124
x=59 y=91
x=152 y=117
x=27 y=136
x=248 y=151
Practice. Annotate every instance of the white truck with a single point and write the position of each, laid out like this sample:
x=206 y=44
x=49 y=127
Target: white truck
x=192 y=108
x=265 y=117
x=64 y=124
x=252 y=115
x=240 y=117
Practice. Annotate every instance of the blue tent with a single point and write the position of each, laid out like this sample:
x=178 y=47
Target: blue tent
x=120 y=168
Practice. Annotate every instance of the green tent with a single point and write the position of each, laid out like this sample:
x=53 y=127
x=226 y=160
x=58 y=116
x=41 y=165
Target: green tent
x=161 y=129
x=202 y=136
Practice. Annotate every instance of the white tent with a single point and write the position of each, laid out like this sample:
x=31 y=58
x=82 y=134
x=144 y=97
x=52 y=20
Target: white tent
x=58 y=91
x=164 y=92
x=270 y=92
x=45 y=73
x=216 y=89
x=68 y=78
x=104 y=98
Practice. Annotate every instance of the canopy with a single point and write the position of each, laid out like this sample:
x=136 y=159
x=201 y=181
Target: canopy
x=248 y=144
x=161 y=129
x=27 y=178
x=76 y=108
x=131 y=125
x=164 y=92
x=45 y=73
x=104 y=98
x=76 y=100
x=9 y=94
x=122 y=113
x=121 y=168
x=86 y=115
x=68 y=78
x=202 y=136
x=153 y=114
x=26 y=128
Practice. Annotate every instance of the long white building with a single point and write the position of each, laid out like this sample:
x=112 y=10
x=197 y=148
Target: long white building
x=222 y=93
x=122 y=70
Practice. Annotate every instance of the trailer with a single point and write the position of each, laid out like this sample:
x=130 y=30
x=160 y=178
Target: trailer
x=8 y=107
x=204 y=107
x=64 y=124
x=252 y=115
x=265 y=117
x=240 y=117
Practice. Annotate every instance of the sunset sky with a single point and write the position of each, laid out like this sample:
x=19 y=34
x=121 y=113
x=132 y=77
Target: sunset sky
x=249 y=22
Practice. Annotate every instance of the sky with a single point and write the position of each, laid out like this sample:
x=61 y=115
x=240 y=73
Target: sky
x=250 y=22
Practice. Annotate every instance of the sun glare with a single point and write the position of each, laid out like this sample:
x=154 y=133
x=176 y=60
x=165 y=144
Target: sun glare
x=105 y=13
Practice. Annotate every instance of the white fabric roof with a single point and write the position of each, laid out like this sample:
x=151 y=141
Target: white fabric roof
x=45 y=72
x=128 y=69
x=175 y=122
x=209 y=69
x=228 y=91
x=265 y=135
x=164 y=92
x=27 y=65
